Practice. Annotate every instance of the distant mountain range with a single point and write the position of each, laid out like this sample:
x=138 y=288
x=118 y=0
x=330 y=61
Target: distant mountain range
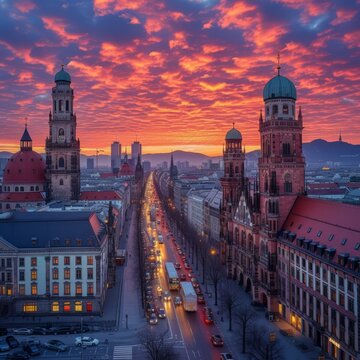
x=318 y=151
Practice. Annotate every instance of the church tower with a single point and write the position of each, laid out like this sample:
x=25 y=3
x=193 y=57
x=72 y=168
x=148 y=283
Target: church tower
x=62 y=147
x=281 y=171
x=232 y=184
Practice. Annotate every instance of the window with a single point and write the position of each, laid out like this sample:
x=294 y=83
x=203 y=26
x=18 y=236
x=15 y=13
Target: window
x=324 y=274
x=89 y=307
x=343 y=241
x=341 y=299
x=78 y=289
x=21 y=188
x=16 y=188
x=309 y=230
x=33 y=274
x=55 y=274
x=55 y=288
x=78 y=306
x=286 y=149
x=22 y=289
x=341 y=282
x=78 y=260
x=267 y=110
x=33 y=261
x=275 y=109
x=325 y=290
x=21 y=262
x=332 y=278
x=350 y=304
x=60 y=105
x=285 y=109
x=34 y=289
x=90 y=273
x=66 y=288
x=78 y=274
x=67 y=273
x=350 y=286
x=55 y=260
x=31 y=188
x=67 y=242
x=319 y=233
x=61 y=132
x=54 y=105
x=8 y=276
x=55 y=307
x=90 y=288
x=30 y=307
x=66 y=260
x=333 y=294
x=61 y=163
x=21 y=275
x=90 y=260
x=67 y=306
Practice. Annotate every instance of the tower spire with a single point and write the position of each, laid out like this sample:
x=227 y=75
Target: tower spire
x=340 y=137
x=300 y=114
x=278 y=63
x=261 y=117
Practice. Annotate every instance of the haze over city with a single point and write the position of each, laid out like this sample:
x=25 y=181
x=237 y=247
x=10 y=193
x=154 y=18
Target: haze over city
x=177 y=74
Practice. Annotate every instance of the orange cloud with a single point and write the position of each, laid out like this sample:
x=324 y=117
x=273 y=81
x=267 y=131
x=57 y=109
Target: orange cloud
x=195 y=63
x=234 y=15
x=352 y=39
x=343 y=15
x=25 y=6
x=212 y=87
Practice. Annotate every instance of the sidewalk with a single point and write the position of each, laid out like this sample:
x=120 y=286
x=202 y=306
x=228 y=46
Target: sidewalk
x=294 y=347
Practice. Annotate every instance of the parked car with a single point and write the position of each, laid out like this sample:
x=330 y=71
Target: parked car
x=177 y=300
x=22 y=331
x=226 y=356
x=198 y=290
x=33 y=348
x=17 y=355
x=55 y=345
x=41 y=331
x=186 y=266
x=63 y=330
x=86 y=341
x=200 y=299
x=182 y=277
x=153 y=320
x=177 y=266
x=217 y=340
x=13 y=343
x=4 y=346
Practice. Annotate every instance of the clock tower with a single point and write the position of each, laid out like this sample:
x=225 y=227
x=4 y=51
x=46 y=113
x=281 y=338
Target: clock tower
x=62 y=147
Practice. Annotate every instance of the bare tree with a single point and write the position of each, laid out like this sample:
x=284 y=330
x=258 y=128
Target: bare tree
x=230 y=299
x=215 y=274
x=156 y=346
x=245 y=317
x=265 y=345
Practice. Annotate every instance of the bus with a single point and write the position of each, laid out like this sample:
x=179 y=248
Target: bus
x=172 y=276
x=189 y=297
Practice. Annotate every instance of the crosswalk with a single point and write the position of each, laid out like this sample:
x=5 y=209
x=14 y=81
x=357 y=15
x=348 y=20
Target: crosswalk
x=122 y=352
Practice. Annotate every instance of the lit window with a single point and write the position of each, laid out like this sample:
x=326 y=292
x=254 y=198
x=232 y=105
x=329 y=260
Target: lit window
x=55 y=274
x=67 y=288
x=90 y=260
x=55 y=307
x=30 y=307
x=67 y=306
x=33 y=289
x=55 y=289
x=55 y=260
x=33 y=261
x=90 y=273
x=78 y=306
x=78 y=274
x=67 y=273
x=78 y=260
x=66 y=260
x=89 y=307
x=90 y=289
x=78 y=289
x=33 y=274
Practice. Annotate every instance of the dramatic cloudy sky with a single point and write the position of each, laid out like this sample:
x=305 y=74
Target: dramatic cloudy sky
x=175 y=74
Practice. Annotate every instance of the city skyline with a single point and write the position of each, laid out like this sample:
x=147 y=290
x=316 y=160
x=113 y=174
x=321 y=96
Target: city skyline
x=177 y=75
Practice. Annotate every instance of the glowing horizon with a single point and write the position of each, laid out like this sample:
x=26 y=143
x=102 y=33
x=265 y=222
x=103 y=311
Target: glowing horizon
x=176 y=74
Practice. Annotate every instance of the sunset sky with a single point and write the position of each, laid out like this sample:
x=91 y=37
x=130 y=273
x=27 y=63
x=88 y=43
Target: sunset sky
x=175 y=74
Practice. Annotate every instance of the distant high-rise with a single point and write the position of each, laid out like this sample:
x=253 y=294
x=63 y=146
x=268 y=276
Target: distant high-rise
x=115 y=156
x=146 y=165
x=90 y=163
x=135 y=151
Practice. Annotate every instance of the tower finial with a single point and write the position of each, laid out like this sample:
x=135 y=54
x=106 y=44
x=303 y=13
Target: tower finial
x=278 y=63
x=62 y=67
x=233 y=124
x=26 y=119
x=340 y=137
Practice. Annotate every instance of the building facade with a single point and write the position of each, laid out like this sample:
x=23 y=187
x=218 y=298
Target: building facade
x=115 y=156
x=62 y=147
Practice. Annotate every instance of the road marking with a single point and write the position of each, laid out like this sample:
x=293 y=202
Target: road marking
x=122 y=352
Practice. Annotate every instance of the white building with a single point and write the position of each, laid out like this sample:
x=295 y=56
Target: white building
x=195 y=213
x=115 y=155
x=136 y=151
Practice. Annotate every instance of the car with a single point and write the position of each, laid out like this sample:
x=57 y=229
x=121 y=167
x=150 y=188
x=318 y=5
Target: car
x=195 y=283
x=153 y=320
x=17 y=355
x=226 y=356
x=177 y=266
x=186 y=266
x=198 y=290
x=4 y=346
x=86 y=341
x=209 y=319
x=177 y=300
x=41 y=331
x=182 y=277
x=180 y=252
x=13 y=343
x=161 y=313
x=183 y=258
x=64 y=330
x=200 y=299
x=22 y=331
x=150 y=307
x=55 y=345
x=217 y=340
x=77 y=329
x=167 y=296
x=32 y=347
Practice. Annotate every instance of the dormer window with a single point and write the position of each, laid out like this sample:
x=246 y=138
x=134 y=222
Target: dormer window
x=285 y=109
x=343 y=241
x=331 y=237
x=309 y=230
x=319 y=233
x=357 y=246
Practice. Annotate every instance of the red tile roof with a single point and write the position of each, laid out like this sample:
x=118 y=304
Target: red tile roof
x=328 y=217
x=100 y=195
x=107 y=175
x=22 y=196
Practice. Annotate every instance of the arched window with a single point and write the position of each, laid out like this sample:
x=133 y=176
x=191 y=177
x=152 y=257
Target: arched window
x=60 y=105
x=21 y=188
x=17 y=206
x=31 y=188
x=61 y=162
x=286 y=149
x=16 y=188
x=287 y=184
x=61 y=132
x=67 y=105
x=275 y=109
x=37 y=188
x=267 y=110
x=285 y=109
x=61 y=182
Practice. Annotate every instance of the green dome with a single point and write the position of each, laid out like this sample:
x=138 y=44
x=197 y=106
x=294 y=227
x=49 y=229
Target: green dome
x=279 y=87
x=233 y=134
x=62 y=75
